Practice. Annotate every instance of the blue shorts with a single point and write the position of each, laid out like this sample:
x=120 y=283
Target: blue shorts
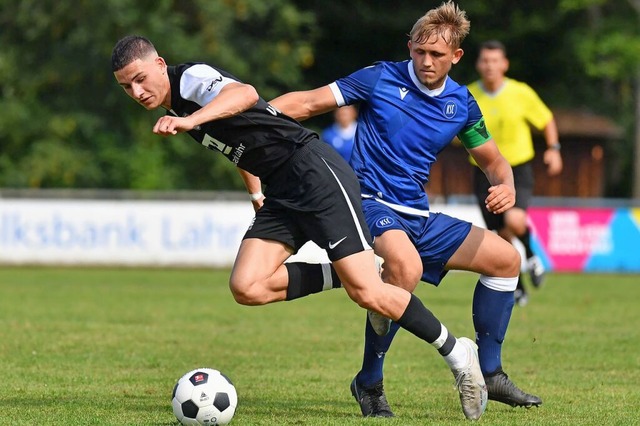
x=436 y=237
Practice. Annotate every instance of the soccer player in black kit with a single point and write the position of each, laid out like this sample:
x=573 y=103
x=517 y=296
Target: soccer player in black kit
x=310 y=193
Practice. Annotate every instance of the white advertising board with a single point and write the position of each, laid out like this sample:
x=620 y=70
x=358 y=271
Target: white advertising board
x=122 y=232
x=141 y=233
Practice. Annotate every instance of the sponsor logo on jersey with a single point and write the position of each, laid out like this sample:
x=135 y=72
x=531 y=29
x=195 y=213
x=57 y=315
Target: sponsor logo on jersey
x=450 y=109
x=213 y=83
x=238 y=153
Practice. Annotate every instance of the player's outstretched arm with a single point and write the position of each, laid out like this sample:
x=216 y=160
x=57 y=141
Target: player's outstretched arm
x=305 y=104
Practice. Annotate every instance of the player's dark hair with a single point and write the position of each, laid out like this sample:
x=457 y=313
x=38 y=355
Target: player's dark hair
x=493 y=45
x=128 y=49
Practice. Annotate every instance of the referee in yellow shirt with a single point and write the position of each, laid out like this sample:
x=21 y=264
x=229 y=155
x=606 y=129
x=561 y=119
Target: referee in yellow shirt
x=510 y=108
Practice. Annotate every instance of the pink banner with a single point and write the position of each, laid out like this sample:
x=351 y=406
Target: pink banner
x=570 y=237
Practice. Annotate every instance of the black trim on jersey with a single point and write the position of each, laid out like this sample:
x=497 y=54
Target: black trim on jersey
x=258 y=140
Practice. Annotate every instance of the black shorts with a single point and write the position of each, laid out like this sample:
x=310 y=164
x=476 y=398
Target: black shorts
x=523 y=180
x=314 y=196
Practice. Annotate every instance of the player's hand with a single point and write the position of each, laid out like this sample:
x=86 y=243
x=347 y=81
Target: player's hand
x=501 y=198
x=553 y=160
x=257 y=204
x=168 y=125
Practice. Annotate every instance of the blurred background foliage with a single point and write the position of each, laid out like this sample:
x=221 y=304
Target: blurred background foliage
x=66 y=124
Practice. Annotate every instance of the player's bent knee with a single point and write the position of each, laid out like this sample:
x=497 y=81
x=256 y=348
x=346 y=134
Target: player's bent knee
x=402 y=274
x=513 y=263
x=504 y=261
x=364 y=298
x=405 y=278
x=246 y=294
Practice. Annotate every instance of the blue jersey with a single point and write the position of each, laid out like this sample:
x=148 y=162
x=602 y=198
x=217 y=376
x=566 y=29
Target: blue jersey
x=402 y=127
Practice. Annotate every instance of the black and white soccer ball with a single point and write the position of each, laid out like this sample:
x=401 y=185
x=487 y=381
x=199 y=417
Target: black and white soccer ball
x=204 y=397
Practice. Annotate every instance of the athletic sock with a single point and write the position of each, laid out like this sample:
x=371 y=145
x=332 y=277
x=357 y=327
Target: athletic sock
x=525 y=239
x=310 y=278
x=375 y=349
x=489 y=305
x=416 y=319
x=420 y=321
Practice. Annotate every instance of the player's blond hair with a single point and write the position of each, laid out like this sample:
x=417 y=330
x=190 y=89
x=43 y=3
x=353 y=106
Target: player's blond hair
x=447 y=21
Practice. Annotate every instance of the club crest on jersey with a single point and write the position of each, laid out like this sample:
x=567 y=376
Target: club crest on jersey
x=385 y=222
x=450 y=109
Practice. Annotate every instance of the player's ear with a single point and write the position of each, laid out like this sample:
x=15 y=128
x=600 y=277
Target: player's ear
x=457 y=55
x=160 y=62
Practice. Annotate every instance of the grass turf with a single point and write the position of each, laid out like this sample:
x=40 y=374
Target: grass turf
x=105 y=347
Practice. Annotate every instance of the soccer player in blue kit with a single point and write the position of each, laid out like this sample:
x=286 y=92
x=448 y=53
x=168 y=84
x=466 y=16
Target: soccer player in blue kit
x=409 y=112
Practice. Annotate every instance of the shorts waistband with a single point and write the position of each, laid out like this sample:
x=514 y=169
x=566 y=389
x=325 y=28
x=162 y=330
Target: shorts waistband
x=305 y=149
x=281 y=172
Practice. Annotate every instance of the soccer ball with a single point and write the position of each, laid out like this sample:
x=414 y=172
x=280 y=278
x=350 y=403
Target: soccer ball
x=204 y=397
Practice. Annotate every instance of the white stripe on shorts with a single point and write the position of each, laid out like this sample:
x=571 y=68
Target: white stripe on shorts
x=363 y=240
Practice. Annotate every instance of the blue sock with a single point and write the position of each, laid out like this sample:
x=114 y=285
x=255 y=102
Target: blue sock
x=489 y=305
x=375 y=349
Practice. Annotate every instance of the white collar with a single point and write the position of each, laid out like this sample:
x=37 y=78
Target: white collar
x=424 y=89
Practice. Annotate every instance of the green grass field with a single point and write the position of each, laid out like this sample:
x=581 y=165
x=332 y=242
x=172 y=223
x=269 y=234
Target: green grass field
x=105 y=347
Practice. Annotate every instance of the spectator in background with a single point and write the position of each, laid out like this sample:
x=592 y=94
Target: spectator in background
x=341 y=133
x=510 y=107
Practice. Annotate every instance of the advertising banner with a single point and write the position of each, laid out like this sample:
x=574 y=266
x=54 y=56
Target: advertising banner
x=122 y=232
x=587 y=239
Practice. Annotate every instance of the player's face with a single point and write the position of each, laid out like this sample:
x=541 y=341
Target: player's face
x=146 y=81
x=432 y=60
x=492 y=65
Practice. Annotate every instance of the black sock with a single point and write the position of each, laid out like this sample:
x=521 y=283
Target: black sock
x=526 y=242
x=310 y=278
x=417 y=319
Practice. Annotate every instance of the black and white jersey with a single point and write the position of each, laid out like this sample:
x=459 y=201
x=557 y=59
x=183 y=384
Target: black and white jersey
x=258 y=140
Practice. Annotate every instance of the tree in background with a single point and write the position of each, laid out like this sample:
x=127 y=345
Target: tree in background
x=63 y=122
x=65 y=125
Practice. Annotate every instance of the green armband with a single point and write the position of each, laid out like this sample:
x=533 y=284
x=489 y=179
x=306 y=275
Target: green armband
x=475 y=135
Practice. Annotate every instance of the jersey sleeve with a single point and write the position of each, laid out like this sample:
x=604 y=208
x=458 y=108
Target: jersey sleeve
x=537 y=113
x=201 y=83
x=357 y=86
x=475 y=133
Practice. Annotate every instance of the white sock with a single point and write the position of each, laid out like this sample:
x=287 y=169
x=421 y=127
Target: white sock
x=458 y=357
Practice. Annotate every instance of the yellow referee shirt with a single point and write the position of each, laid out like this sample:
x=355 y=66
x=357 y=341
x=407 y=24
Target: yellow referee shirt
x=508 y=114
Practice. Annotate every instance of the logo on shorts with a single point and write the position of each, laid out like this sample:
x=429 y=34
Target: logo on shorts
x=385 y=222
x=334 y=245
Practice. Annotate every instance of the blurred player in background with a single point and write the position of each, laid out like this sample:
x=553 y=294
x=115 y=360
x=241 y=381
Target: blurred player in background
x=408 y=112
x=510 y=107
x=311 y=194
x=341 y=133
